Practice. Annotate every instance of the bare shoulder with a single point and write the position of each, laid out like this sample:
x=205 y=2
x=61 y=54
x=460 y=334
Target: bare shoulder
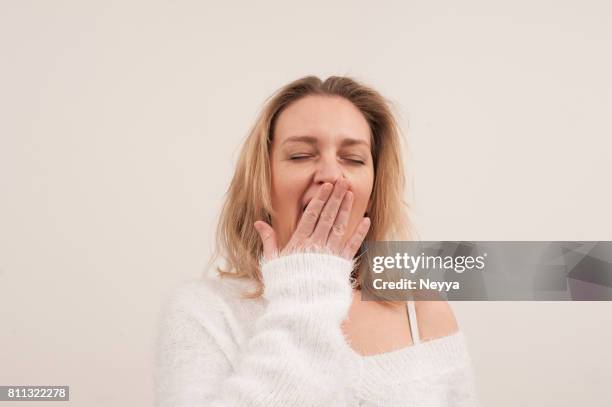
x=435 y=319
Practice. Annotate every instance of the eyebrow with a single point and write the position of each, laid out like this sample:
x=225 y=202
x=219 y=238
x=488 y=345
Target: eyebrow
x=313 y=140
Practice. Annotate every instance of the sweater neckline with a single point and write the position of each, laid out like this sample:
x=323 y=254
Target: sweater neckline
x=439 y=343
x=430 y=358
x=415 y=359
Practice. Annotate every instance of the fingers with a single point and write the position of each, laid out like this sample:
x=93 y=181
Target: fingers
x=268 y=237
x=312 y=212
x=323 y=225
x=351 y=247
x=330 y=212
x=334 y=241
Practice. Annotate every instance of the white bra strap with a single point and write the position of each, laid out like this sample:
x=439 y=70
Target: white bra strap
x=414 y=327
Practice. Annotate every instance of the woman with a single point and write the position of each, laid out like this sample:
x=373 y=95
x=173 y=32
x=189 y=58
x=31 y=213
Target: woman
x=281 y=324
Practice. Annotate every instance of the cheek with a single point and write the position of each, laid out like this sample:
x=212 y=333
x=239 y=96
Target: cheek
x=362 y=190
x=285 y=190
x=286 y=197
x=360 y=204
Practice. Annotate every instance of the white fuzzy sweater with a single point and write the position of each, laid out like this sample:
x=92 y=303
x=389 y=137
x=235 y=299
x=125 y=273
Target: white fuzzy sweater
x=287 y=348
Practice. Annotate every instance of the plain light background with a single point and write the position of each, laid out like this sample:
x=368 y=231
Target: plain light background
x=121 y=123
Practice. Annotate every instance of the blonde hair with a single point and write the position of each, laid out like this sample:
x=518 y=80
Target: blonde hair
x=248 y=197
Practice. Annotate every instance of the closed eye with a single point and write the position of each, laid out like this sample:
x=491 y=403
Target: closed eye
x=299 y=157
x=356 y=161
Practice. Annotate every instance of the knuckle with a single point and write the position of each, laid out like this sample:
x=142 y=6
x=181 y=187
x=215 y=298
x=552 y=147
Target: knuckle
x=299 y=235
x=310 y=216
x=339 y=229
x=312 y=245
x=327 y=217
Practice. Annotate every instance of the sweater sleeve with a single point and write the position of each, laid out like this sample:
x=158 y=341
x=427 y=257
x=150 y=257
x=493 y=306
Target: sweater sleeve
x=297 y=355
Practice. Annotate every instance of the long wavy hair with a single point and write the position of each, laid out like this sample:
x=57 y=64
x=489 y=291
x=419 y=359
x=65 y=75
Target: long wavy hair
x=248 y=197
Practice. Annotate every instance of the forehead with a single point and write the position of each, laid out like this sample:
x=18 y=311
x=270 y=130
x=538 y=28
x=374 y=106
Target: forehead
x=324 y=117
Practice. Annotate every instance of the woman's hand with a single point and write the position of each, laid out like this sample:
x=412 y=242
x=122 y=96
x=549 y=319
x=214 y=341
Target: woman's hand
x=322 y=226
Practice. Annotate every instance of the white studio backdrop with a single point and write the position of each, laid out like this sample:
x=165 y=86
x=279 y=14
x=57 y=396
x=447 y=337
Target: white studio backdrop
x=122 y=120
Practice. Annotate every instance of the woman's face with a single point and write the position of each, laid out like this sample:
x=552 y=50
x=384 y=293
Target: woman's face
x=318 y=139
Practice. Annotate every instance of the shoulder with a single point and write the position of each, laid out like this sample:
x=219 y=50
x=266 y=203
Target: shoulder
x=204 y=311
x=204 y=298
x=193 y=292
x=436 y=319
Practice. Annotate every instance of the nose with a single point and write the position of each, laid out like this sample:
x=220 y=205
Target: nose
x=328 y=170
